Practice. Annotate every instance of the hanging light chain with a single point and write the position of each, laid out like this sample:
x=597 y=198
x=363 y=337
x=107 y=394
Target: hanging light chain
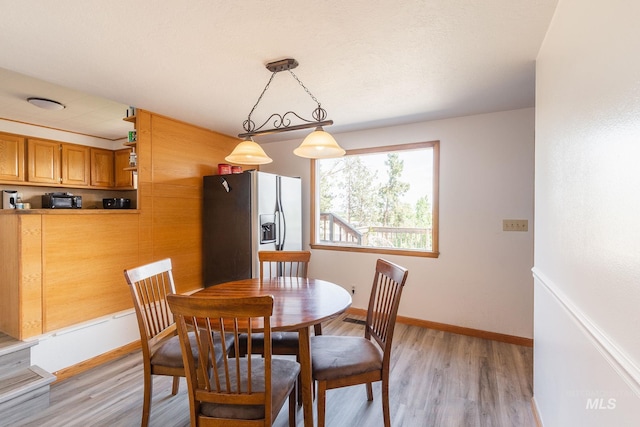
x=248 y=125
x=305 y=88
x=282 y=122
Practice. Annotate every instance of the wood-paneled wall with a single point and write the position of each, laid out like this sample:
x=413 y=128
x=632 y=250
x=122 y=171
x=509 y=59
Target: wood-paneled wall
x=84 y=259
x=21 y=275
x=9 y=290
x=174 y=158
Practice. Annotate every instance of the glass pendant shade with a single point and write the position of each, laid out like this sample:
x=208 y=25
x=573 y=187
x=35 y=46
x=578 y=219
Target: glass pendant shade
x=319 y=145
x=248 y=152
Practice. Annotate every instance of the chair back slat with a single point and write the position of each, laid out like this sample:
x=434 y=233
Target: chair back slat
x=283 y=263
x=150 y=284
x=388 y=282
x=232 y=380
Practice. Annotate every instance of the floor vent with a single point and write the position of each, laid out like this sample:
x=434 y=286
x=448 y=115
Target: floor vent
x=352 y=320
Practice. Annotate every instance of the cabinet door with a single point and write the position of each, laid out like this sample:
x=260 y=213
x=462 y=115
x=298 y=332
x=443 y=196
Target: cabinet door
x=11 y=157
x=44 y=161
x=101 y=168
x=123 y=178
x=75 y=165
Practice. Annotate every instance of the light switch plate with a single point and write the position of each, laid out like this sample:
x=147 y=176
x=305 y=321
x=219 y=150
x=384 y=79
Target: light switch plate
x=515 y=225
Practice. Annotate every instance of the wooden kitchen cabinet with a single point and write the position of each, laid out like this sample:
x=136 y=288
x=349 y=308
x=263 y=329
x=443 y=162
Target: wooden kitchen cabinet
x=11 y=158
x=102 y=168
x=52 y=162
x=44 y=161
x=123 y=173
x=75 y=165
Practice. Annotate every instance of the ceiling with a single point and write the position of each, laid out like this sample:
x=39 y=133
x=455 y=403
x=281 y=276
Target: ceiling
x=370 y=63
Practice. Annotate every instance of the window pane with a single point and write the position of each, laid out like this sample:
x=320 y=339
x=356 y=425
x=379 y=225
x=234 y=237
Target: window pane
x=382 y=198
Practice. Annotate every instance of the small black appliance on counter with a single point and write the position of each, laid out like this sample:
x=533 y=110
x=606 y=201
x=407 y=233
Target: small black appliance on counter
x=116 y=203
x=61 y=201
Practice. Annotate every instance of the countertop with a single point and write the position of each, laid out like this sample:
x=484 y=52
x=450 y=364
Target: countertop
x=67 y=211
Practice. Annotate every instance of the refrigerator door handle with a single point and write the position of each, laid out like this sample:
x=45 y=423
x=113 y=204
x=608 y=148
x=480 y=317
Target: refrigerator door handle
x=282 y=230
x=225 y=184
x=280 y=218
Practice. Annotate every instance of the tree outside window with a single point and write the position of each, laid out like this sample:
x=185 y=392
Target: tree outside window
x=381 y=200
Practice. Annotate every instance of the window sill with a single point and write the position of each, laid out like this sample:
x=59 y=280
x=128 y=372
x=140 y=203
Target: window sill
x=387 y=251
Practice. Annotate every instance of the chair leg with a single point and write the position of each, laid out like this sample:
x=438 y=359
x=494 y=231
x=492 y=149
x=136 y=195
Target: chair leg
x=146 y=400
x=322 y=402
x=369 y=392
x=292 y=408
x=175 y=386
x=385 y=402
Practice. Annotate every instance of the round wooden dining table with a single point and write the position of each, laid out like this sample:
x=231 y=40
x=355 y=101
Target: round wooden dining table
x=298 y=303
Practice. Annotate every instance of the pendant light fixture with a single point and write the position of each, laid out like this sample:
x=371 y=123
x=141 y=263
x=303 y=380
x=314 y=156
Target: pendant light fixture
x=248 y=152
x=317 y=145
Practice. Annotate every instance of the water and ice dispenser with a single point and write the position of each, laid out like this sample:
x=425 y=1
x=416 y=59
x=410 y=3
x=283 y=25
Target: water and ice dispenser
x=267 y=228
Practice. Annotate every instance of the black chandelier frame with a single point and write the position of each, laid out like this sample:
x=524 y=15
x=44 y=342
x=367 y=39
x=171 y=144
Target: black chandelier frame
x=283 y=122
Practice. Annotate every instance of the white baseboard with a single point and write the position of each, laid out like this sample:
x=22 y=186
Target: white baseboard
x=66 y=347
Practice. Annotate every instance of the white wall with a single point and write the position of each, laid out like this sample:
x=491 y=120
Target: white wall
x=482 y=278
x=58 y=135
x=587 y=246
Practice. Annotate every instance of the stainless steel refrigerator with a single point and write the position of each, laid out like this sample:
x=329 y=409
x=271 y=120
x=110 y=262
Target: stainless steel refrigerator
x=243 y=214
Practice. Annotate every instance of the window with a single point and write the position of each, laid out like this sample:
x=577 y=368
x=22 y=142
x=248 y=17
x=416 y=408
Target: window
x=380 y=200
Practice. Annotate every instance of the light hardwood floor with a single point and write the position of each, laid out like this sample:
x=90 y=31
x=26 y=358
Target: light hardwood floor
x=437 y=379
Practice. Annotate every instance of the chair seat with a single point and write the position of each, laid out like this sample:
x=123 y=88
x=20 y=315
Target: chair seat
x=283 y=375
x=342 y=356
x=170 y=354
x=282 y=342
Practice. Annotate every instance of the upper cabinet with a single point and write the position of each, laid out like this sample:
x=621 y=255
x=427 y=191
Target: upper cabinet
x=52 y=162
x=44 y=161
x=71 y=165
x=75 y=165
x=123 y=172
x=11 y=158
x=102 y=168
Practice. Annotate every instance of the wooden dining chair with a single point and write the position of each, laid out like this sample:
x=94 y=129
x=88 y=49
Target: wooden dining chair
x=340 y=361
x=239 y=391
x=283 y=264
x=286 y=264
x=150 y=285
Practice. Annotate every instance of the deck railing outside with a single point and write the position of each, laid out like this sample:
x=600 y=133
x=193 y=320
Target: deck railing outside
x=334 y=229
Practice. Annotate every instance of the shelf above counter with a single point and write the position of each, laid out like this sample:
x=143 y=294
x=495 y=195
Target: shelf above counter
x=67 y=211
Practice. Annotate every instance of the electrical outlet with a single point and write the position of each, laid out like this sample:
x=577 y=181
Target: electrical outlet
x=353 y=289
x=515 y=225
